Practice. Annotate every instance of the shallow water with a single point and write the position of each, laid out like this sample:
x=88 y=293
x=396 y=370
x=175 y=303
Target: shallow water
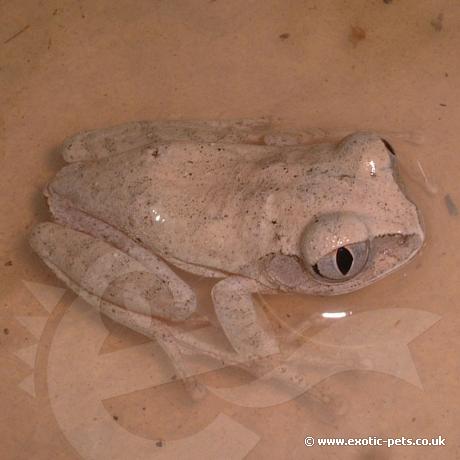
x=392 y=66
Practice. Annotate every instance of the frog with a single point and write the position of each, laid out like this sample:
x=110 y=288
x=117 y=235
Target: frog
x=261 y=211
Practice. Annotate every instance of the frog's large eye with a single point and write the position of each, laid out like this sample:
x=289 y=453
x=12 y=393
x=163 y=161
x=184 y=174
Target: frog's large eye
x=343 y=263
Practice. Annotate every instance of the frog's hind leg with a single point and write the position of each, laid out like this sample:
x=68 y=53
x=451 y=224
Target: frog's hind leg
x=138 y=290
x=132 y=293
x=100 y=143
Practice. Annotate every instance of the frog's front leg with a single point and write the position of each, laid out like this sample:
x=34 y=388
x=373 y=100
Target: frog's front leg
x=243 y=321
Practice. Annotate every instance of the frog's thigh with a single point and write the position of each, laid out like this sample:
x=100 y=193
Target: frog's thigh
x=243 y=322
x=99 y=143
x=100 y=273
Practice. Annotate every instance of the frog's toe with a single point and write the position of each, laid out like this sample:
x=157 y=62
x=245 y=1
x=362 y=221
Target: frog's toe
x=101 y=273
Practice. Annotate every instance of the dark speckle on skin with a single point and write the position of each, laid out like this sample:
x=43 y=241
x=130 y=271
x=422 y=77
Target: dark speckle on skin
x=451 y=206
x=387 y=1
x=437 y=22
x=159 y=443
x=6 y=331
x=19 y=32
x=115 y=417
x=357 y=34
x=285 y=36
x=9 y=263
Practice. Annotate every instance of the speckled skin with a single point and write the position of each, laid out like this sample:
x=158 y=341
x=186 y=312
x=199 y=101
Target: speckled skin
x=213 y=199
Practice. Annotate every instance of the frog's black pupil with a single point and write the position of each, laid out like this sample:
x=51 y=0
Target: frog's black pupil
x=344 y=259
x=389 y=146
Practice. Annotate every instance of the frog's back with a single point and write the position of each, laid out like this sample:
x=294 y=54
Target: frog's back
x=201 y=204
x=206 y=207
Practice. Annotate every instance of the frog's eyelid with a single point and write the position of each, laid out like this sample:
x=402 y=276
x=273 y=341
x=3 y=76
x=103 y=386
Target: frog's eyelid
x=389 y=146
x=354 y=244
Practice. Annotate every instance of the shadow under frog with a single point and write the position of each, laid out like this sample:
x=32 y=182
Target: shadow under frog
x=228 y=200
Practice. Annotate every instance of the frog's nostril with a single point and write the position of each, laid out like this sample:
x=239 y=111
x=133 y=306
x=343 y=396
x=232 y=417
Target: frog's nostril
x=389 y=146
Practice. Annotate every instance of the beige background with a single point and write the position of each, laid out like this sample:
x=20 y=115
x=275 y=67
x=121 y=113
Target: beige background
x=358 y=64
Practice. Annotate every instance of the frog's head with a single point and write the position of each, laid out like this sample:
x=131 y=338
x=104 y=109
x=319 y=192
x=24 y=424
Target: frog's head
x=374 y=230
x=364 y=228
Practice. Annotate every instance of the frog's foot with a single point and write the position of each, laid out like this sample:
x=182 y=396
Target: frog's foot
x=99 y=143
